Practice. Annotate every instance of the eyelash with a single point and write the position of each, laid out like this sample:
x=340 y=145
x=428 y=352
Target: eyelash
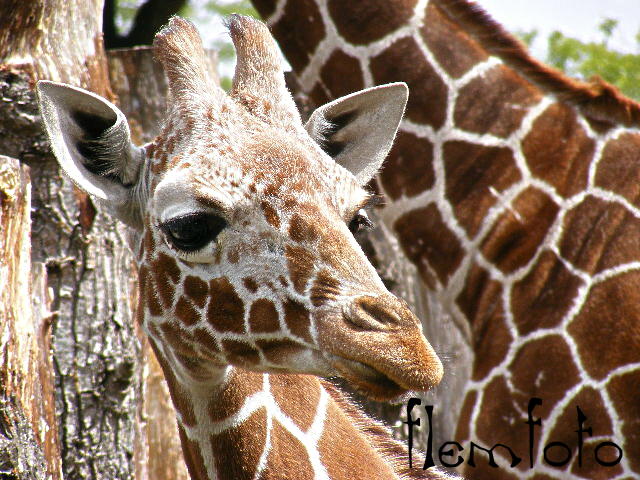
x=359 y=222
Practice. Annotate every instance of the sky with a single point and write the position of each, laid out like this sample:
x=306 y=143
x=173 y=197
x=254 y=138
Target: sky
x=578 y=19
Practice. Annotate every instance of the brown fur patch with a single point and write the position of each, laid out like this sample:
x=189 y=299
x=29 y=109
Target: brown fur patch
x=277 y=350
x=494 y=103
x=237 y=450
x=466 y=411
x=623 y=391
x=287 y=454
x=481 y=302
x=544 y=296
x=226 y=309
x=339 y=462
x=232 y=395
x=150 y=299
x=341 y=74
x=471 y=171
x=270 y=214
x=609 y=313
x=300 y=263
x=240 y=353
x=513 y=241
x=196 y=290
x=404 y=61
x=619 y=168
x=192 y=456
x=205 y=339
x=325 y=288
x=301 y=230
x=427 y=241
x=364 y=22
x=550 y=379
x=177 y=338
x=602 y=235
x=408 y=155
x=558 y=150
x=250 y=284
x=167 y=274
x=298 y=319
x=299 y=39
x=564 y=430
x=596 y=99
x=263 y=316
x=499 y=421
x=185 y=312
x=306 y=390
x=179 y=396
x=454 y=50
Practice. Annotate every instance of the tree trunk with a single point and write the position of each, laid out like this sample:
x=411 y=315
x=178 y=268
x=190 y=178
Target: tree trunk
x=78 y=253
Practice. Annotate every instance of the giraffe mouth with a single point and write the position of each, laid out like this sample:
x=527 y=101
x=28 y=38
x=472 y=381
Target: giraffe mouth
x=368 y=381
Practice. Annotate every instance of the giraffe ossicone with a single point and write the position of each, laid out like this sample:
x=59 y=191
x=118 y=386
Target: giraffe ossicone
x=250 y=277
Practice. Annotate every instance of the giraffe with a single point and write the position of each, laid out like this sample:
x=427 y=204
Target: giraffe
x=514 y=191
x=251 y=283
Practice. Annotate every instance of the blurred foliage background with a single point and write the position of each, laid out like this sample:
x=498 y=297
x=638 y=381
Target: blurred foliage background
x=577 y=58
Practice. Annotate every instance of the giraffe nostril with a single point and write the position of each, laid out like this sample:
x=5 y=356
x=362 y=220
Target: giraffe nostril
x=373 y=313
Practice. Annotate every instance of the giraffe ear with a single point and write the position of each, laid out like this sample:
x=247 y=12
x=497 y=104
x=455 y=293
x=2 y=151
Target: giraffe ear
x=91 y=141
x=358 y=130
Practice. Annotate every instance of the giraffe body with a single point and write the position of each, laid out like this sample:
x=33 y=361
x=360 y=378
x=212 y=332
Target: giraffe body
x=251 y=282
x=514 y=191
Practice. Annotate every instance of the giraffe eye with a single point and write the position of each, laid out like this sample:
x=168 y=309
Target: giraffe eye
x=191 y=232
x=359 y=222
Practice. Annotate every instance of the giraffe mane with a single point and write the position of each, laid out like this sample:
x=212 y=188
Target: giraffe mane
x=596 y=98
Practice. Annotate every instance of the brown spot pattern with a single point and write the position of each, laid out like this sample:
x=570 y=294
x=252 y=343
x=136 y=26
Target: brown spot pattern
x=297 y=319
x=305 y=389
x=233 y=393
x=364 y=22
x=341 y=74
x=270 y=214
x=226 y=310
x=481 y=302
x=558 y=150
x=494 y=103
x=427 y=241
x=287 y=454
x=299 y=31
x=550 y=379
x=619 y=169
x=250 y=284
x=301 y=230
x=192 y=455
x=240 y=353
x=325 y=288
x=204 y=338
x=512 y=242
x=300 y=263
x=408 y=155
x=404 y=62
x=624 y=390
x=237 y=450
x=499 y=421
x=167 y=274
x=603 y=235
x=462 y=430
x=470 y=171
x=608 y=304
x=196 y=290
x=277 y=351
x=564 y=428
x=452 y=47
x=544 y=296
x=185 y=312
x=263 y=316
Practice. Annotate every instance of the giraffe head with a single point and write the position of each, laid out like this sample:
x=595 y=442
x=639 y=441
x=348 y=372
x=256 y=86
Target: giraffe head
x=242 y=218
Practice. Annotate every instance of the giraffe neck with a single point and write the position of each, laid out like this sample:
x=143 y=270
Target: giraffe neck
x=243 y=425
x=514 y=192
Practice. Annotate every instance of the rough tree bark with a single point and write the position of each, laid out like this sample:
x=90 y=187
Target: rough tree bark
x=81 y=255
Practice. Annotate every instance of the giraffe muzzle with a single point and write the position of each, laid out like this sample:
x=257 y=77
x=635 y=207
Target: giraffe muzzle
x=380 y=349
